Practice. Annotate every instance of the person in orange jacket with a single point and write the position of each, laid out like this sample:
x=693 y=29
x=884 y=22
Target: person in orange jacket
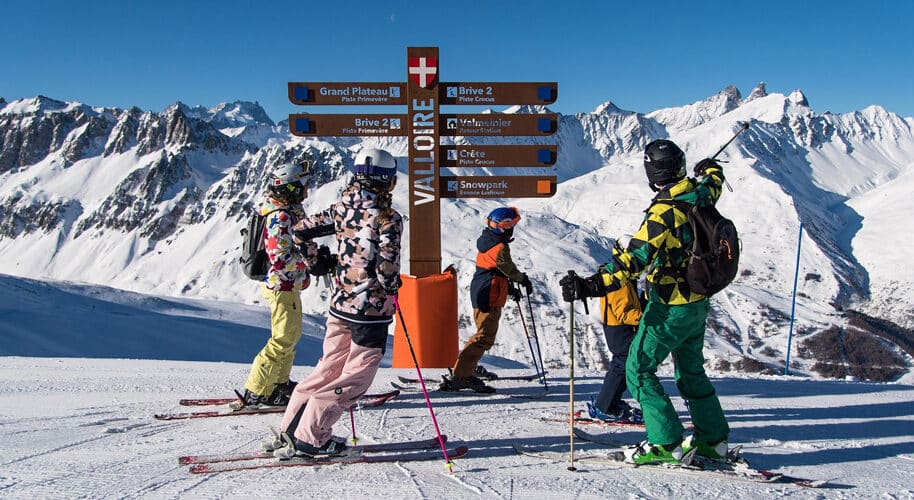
x=488 y=292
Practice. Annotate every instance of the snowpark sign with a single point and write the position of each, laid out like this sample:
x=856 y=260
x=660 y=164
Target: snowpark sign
x=423 y=93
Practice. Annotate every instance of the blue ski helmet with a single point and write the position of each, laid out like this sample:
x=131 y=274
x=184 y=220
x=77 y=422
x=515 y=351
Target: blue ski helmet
x=502 y=220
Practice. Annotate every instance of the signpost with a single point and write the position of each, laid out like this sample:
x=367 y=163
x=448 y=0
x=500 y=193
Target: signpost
x=423 y=125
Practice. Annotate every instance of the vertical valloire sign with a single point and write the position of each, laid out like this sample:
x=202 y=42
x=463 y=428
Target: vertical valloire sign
x=424 y=199
x=423 y=125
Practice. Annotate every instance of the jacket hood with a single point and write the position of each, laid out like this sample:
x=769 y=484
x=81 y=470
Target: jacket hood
x=488 y=239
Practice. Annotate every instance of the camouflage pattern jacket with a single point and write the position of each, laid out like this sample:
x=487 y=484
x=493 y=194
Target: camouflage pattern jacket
x=368 y=234
x=289 y=264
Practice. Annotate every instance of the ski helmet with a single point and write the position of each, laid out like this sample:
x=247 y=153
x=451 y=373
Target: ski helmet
x=376 y=168
x=287 y=182
x=664 y=162
x=502 y=220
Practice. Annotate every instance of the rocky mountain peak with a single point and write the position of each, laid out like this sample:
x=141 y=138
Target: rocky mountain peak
x=231 y=115
x=798 y=98
x=758 y=92
x=607 y=107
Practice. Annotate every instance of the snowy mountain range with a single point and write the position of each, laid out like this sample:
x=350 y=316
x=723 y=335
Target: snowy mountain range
x=152 y=203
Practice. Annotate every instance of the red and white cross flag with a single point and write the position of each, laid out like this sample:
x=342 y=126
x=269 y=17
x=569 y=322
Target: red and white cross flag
x=423 y=70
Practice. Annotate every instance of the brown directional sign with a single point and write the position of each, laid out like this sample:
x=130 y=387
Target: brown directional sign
x=423 y=125
x=339 y=93
x=498 y=93
x=308 y=125
x=517 y=186
x=496 y=124
x=498 y=156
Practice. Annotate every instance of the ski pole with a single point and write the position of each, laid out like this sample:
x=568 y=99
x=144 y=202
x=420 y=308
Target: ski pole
x=428 y=402
x=743 y=126
x=571 y=387
x=529 y=343
x=536 y=338
x=352 y=423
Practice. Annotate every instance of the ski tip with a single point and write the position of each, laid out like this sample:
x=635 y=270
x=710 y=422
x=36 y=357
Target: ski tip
x=199 y=469
x=187 y=460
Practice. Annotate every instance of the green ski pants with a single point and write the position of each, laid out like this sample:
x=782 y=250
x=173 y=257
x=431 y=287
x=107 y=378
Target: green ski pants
x=678 y=330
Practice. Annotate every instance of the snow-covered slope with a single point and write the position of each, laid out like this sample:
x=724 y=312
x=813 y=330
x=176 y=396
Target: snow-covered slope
x=83 y=427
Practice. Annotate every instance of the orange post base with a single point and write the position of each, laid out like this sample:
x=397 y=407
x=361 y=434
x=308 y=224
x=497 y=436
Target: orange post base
x=429 y=307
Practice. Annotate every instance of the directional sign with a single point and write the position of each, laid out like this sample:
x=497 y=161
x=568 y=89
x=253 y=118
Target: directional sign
x=498 y=93
x=338 y=93
x=517 y=186
x=498 y=156
x=307 y=125
x=498 y=124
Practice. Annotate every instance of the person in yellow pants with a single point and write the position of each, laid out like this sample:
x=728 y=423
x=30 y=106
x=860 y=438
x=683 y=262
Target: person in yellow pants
x=268 y=383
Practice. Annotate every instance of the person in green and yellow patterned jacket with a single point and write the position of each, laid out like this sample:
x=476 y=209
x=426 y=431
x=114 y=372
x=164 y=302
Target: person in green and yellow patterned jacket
x=673 y=322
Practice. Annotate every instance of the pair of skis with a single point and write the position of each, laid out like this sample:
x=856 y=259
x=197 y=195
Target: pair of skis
x=734 y=467
x=404 y=451
x=367 y=401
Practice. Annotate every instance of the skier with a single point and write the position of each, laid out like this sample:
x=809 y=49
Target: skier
x=621 y=311
x=488 y=294
x=268 y=383
x=674 y=319
x=368 y=232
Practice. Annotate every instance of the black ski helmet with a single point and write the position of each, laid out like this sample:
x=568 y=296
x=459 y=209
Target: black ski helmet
x=664 y=162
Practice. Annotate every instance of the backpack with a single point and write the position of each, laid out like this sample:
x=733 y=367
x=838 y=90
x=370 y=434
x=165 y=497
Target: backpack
x=713 y=258
x=254 y=261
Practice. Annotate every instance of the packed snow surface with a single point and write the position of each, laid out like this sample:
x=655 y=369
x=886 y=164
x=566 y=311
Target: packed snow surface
x=75 y=427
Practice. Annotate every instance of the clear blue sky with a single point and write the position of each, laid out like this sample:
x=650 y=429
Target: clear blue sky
x=845 y=55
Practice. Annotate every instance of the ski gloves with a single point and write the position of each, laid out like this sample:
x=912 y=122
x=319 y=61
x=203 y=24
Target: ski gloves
x=514 y=292
x=704 y=165
x=528 y=287
x=575 y=287
x=393 y=288
x=324 y=263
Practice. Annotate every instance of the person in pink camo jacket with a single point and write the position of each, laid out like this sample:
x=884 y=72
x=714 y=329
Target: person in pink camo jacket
x=368 y=232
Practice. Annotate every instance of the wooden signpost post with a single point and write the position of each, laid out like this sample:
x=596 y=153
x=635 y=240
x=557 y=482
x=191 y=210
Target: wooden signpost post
x=430 y=294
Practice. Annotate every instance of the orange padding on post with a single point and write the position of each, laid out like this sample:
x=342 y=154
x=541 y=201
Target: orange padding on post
x=429 y=307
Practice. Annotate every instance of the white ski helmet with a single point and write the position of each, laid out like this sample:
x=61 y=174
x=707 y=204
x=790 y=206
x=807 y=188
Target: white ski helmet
x=288 y=182
x=376 y=167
